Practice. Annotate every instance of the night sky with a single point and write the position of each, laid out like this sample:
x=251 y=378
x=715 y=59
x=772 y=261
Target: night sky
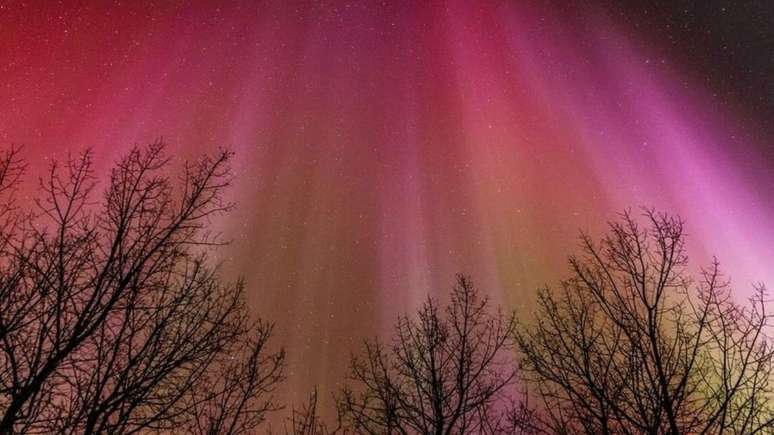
x=384 y=146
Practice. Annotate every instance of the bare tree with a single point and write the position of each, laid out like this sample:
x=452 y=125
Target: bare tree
x=307 y=421
x=631 y=344
x=111 y=320
x=444 y=372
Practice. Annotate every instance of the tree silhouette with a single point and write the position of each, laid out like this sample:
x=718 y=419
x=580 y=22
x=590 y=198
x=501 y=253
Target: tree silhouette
x=631 y=344
x=111 y=320
x=443 y=373
x=307 y=421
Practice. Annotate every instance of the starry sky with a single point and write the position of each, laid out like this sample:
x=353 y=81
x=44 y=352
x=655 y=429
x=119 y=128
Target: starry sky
x=383 y=146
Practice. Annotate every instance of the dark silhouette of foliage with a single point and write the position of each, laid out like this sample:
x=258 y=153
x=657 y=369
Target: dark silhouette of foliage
x=444 y=372
x=631 y=344
x=111 y=320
